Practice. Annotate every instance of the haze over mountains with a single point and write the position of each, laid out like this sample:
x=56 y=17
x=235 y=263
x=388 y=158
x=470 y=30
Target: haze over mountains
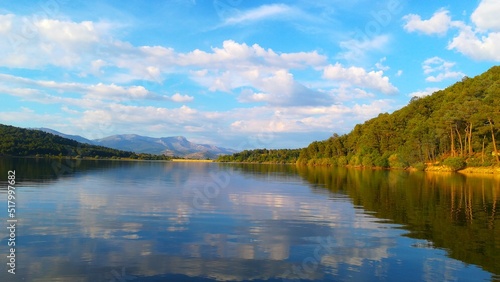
x=170 y=146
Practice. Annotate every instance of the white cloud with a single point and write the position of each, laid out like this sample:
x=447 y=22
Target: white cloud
x=95 y=92
x=380 y=65
x=89 y=49
x=235 y=55
x=96 y=67
x=259 y=13
x=359 y=77
x=104 y=91
x=36 y=42
x=476 y=45
x=249 y=96
x=258 y=74
x=440 y=70
x=5 y=23
x=478 y=41
x=62 y=32
x=181 y=98
x=347 y=94
x=423 y=93
x=303 y=118
x=486 y=15
x=437 y=24
x=280 y=89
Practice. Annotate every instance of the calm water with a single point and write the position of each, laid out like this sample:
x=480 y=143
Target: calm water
x=161 y=221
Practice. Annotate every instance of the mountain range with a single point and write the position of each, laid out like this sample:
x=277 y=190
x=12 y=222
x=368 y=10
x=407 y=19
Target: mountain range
x=170 y=146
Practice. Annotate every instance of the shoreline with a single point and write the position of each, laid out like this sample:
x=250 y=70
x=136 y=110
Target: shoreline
x=480 y=170
x=492 y=170
x=468 y=170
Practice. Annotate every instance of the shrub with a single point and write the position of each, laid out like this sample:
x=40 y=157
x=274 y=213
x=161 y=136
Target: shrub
x=342 y=161
x=355 y=160
x=381 y=162
x=367 y=161
x=474 y=162
x=455 y=163
x=420 y=166
x=395 y=161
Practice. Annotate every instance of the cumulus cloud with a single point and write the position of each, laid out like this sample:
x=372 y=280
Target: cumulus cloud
x=280 y=89
x=437 y=24
x=359 y=77
x=240 y=55
x=476 y=45
x=478 y=40
x=88 y=48
x=63 y=32
x=304 y=118
x=438 y=70
x=38 y=41
x=116 y=93
x=179 y=98
x=486 y=16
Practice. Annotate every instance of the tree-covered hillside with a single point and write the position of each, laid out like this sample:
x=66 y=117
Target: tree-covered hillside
x=456 y=125
x=263 y=156
x=15 y=141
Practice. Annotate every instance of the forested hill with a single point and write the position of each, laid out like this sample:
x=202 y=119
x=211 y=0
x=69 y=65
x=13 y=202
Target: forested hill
x=263 y=156
x=15 y=141
x=455 y=126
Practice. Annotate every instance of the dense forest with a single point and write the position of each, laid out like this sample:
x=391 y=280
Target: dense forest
x=20 y=142
x=457 y=127
x=263 y=156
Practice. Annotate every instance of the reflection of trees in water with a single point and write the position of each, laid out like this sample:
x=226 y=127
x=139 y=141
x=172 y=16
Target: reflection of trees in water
x=167 y=236
x=111 y=226
x=275 y=172
x=454 y=211
x=40 y=169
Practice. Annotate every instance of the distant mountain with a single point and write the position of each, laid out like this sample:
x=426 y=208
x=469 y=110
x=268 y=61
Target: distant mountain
x=73 y=137
x=170 y=146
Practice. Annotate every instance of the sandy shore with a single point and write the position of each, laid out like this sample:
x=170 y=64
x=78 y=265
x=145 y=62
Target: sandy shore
x=481 y=170
x=468 y=170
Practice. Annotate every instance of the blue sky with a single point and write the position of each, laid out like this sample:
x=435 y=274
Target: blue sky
x=235 y=73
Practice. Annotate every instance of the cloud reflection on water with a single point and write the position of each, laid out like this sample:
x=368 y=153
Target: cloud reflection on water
x=261 y=226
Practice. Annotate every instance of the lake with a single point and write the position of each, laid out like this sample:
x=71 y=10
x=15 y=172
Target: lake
x=164 y=221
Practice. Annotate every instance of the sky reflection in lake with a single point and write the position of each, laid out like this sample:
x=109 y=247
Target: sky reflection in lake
x=157 y=221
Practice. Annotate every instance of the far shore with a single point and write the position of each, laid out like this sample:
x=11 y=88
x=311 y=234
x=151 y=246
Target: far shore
x=192 y=161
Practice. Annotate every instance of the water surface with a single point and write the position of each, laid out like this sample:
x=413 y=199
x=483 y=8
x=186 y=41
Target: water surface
x=164 y=221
